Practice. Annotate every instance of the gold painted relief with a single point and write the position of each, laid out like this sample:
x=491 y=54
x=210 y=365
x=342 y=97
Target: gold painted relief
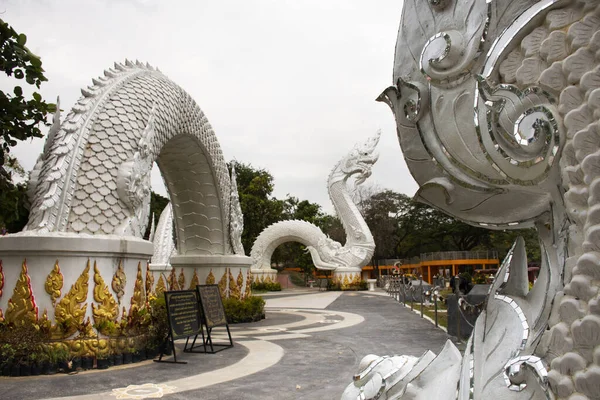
x=45 y=324
x=160 y=286
x=240 y=283
x=1 y=278
x=195 y=281
x=210 y=279
x=119 y=281
x=234 y=289
x=138 y=300
x=249 y=280
x=149 y=282
x=69 y=313
x=268 y=279
x=181 y=280
x=54 y=283
x=172 y=281
x=223 y=284
x=1 y=316
x=21 y=306
x=108 y=309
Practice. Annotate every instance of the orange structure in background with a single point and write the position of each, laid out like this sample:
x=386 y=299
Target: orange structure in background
x=449 y=263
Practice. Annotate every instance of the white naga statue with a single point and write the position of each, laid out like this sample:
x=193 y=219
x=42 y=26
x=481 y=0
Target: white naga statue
x=497 y=105
x=327 y=254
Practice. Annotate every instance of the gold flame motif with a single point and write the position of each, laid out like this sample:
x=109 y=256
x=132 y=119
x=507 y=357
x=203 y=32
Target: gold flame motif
x=172 y=281
x=181 y=280
x=149 y=282
x=108 y=309
x=249 y=280
x=234 y=289
x=119 y=281
x=54 y=283
x=69 y=313
x=160 y=286
x=210 y=279
x=195 y=281
x=1 y=316
x=21 y=306
x=45 y=324
x=223 y=284
x=1 y=278
x=240 y=283
x=138 y=299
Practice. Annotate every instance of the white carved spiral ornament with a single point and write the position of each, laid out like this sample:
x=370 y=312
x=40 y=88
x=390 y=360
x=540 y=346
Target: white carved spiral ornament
x=519 y=131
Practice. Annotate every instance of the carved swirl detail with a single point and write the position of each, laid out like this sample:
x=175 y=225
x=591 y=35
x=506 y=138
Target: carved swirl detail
x=69 y=313
x=234 y=289
x=21 y=306
x=249 y=280
x=149 y=282
x=160 y=286
x=138 y=299
x=210 y=279
x=181 y=280
x=108 y=309
x=195 y=280
x=119 y=281
x=54 y=283
x=223 y=284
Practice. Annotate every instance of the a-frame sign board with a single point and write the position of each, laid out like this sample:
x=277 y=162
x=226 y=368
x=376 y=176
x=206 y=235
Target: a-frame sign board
x=212 y=314
x=183 y=317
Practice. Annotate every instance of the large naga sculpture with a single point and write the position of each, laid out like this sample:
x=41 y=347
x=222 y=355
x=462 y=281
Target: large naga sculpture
x=326 y=253
x=497 y=104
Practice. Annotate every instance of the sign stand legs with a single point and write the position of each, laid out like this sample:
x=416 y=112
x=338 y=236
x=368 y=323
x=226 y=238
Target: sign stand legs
x=170 y=342
x=207 y=341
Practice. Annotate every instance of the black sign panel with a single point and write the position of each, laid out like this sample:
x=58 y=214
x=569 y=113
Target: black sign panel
x=212 y=305
x=182 y=311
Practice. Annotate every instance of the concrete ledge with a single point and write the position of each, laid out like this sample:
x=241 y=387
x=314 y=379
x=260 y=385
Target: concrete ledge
x=211 y=261
x=71 y=244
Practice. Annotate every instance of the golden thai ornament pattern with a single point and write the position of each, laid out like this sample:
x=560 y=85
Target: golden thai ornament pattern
x=223 y=284
x=69 y=313
x=45 y=324
x=160 y=286
x=240 y=283
x=1 y=278
x=21 y=306
x=54 y=283
x=172 y=281
x=249 y=280
x=195 y=280
x=149 y=282
x=181 y=280
x=234 y=290
x=210 y=279
x=119 y=281
x=1 y=316
x=138 y=299
x=108 y=309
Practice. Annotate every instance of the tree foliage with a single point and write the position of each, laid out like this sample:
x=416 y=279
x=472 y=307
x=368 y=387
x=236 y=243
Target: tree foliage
x=20 y=117
x=404 y=228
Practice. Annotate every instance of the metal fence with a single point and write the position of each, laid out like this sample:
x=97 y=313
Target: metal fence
x=443 y=255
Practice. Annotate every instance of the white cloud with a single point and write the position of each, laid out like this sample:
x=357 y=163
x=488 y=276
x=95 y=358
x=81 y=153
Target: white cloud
x=288 y=86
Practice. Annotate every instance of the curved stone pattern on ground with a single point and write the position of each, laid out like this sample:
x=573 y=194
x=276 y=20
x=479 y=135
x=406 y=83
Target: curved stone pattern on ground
x=529 y=157
x=94 y=176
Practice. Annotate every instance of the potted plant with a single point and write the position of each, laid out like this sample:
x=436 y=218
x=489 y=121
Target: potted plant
x=7 y=358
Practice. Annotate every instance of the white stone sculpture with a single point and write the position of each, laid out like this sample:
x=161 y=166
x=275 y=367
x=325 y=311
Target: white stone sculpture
x=327 y=254
x=497 y=114
x=164 y=246
x=90 y=197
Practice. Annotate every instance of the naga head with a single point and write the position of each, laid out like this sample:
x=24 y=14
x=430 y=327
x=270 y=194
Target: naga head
x=360 y=160
x=484 y=151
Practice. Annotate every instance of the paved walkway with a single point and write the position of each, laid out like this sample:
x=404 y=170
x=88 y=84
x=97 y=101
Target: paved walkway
x=308 y=347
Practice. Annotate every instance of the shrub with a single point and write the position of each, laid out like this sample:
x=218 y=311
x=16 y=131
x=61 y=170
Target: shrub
x=250 y=309
x=266 y=286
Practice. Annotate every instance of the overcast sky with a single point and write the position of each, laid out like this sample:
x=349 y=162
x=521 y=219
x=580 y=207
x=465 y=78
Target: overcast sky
x=288 y=85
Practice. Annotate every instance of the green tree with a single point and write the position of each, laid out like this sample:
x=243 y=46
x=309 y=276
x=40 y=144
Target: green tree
x=157 y=205
x=260 y=208
x=20 y=119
